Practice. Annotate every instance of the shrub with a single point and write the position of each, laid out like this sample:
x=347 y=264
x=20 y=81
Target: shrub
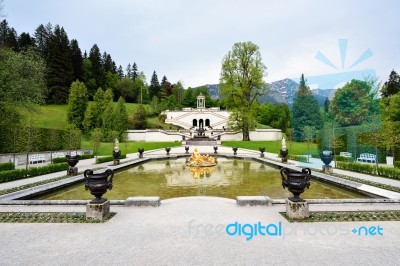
x=6 y=166
x=11 y=175
x=108 y=158
x=299 y=158
x=344 y=159
x=397 y=164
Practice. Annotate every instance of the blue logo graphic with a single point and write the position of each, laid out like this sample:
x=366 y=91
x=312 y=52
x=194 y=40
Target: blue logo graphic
x=331 y=81
x=251 y=230
x=368 y=231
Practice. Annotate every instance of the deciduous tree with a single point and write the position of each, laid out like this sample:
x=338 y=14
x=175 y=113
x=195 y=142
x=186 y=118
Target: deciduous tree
x=242 y=83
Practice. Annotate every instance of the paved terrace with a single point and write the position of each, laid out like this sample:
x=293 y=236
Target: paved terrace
x=191 y=231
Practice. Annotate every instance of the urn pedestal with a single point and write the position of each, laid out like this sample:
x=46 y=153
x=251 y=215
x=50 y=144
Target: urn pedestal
x=140 y=151
x=98 y=211
x=262 y=150
x=297 y=210
x=284 y=154
x=234 y=151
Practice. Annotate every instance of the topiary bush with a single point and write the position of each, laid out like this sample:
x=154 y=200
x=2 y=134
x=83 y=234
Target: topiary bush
x=6 y=166
x=108 y=158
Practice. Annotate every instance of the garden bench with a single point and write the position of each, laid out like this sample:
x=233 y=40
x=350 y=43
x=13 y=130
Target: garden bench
x=346 y=154
x=36 y=158
x=367 y=157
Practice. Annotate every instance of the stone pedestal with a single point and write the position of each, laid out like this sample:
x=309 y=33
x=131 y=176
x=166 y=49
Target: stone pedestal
x=297 y=210
x=140 y=155
x=284 y=160
x=97 y=211
x=262 y=155
x=116 y=161
x=327 y=169
x=72 y=171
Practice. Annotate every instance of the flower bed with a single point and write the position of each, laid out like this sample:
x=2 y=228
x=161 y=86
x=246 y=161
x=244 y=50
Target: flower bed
x=49 y=217
x=349 y=216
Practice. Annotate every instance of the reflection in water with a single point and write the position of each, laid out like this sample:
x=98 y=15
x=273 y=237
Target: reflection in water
x=229 y=178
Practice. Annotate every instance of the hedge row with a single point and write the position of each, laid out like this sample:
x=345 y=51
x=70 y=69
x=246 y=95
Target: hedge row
x=6 y=166
x=11 y=175
x=108 y=158
x=344 y=159
x=397 y=164
x=393 y=173
x=299 y=158
x=64 y=159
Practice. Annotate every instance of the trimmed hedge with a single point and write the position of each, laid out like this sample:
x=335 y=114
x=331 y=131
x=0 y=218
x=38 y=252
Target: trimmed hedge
x=393 y=173
x=82 y=157
x=344 y=159
x=6 y=166
x=299 y=158
x=11 y=175
x=108 y=158
x=397 y=164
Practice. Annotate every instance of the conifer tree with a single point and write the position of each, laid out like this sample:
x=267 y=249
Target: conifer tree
x=154 y=88
x=135 y=72
x=392 y=86
x=97 y=66
x=77 y=103
x=121 y=117
x=77 y=60
x=305 y=111
x=59 y=67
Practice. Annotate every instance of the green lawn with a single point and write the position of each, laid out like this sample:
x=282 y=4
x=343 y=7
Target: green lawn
x=55 y=116
x=106 y=148
x=52 y=116
x=295 y=148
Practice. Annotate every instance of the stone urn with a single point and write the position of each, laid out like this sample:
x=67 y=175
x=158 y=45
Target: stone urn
x=215 y=149
x=296 y=182
x=72 y=162
x=187 y=149
x=234 y=150
x=116 y=155
x=168 y=149
x=326 y=157
x=262 y=150
x=140 y=151
x=98 y=183
x=284 y=154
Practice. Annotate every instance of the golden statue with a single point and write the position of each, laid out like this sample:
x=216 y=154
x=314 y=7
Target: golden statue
x=198 y=160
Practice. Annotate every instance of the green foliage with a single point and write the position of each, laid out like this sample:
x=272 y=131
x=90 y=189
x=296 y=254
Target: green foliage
x=397 y=164
x=97 y=136
x=17 y=174
x=391 y=108
x=60 y=70
x=89 y=122
x=108 y=119
x=392 y=86
x=21 y=78
x=6 y=166
x=388 y=172
x=121 y=117
x=155 y=87
x=242 y=83
x=353 y=103
x=299 y=158
x=126 y=88
x=274 y=115
x=305 y=111
x=108 y=158
x=139 y=120
x=77 y=103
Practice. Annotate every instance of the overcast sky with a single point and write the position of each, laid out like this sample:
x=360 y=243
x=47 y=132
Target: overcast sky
x=187 y=40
